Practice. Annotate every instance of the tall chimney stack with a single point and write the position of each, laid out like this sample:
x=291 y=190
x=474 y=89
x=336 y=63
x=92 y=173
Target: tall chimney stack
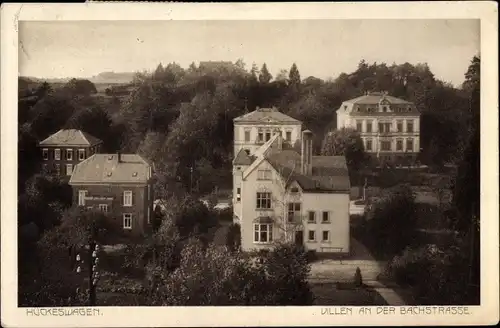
x=306 y=152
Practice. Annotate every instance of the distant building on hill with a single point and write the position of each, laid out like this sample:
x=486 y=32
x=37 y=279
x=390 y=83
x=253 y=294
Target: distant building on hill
x=66 y=148
x=389 y=126
x=118 y=184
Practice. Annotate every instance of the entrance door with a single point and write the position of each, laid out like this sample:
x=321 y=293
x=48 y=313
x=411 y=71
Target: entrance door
x=299 y=237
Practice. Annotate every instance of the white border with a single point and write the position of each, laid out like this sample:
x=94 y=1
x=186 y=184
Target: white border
x=487 y=313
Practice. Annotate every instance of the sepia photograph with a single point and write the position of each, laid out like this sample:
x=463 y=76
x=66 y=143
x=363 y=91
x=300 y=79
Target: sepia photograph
x=296 y=162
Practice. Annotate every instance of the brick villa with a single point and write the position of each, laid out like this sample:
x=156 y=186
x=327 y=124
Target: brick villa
x=118 y=184
x=66 y=148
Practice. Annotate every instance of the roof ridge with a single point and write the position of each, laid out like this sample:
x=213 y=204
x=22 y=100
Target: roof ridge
x=84 y=137
x=51 y=136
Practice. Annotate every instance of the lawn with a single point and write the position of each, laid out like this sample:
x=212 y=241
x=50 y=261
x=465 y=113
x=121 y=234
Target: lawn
x=328 y=294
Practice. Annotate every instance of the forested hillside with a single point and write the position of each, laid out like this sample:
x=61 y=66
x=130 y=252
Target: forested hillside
x=182 y=117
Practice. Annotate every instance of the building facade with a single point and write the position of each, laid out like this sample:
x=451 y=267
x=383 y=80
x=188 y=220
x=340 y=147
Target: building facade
x=389 y=126
x=282 y=194
x=253 y=129
x=63 y=150
x=120 y=185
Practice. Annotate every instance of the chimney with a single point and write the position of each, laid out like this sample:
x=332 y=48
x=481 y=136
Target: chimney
x=306 y=153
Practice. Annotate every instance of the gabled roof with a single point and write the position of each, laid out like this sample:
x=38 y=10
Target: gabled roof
x=70 y=137
x=242 y=158
x=329 y=173
x=105 y=168
x=266 y=115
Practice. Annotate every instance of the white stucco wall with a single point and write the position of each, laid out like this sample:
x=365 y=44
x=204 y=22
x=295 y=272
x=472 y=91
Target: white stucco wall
x=239 y=134
x=336 y=204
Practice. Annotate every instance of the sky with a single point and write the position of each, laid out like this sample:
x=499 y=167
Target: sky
x=321 y=48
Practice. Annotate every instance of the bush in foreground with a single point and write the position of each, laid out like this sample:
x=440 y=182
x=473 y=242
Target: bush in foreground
x=217 y=276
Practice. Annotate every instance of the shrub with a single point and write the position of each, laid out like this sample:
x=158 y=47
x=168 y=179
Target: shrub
x=233 y=238
x=437 y=275
x=391 y=224
x=358 y=279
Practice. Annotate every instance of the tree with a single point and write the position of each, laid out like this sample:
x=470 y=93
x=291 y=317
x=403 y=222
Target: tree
x=294 y=76
x=94 y=121
x=265 y=76
x=282 y=76
x=345 y=142
x=240 y=63
x=159 y=73
x=80 y=87
x=217 y=276
x=392 y=221
x=43 y=90
x=254 y=73
x=52 y=279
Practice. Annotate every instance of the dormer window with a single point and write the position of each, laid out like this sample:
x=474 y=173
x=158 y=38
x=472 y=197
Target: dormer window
x=134 y=174
x=294 y=190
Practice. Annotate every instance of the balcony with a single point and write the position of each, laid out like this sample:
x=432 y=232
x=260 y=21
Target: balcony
x=295 y=219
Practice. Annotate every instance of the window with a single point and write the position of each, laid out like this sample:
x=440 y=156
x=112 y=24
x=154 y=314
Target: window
x=247 y=135
x=246 y=151
x=268 y=135
x=293 y=211
x=326 y=235
x=149 y=192
x=58 y=169
x=289 y=136
x=263 y=200
x=359 y=126
x=409 y=126
x=264 y=175
x=399 y=145
x=103 y=208
x=149 y=214
x=127 y=221
x=57 y=154
x=81 y=197
x=81 y=154
x=238 y=194
x=311 y=217
x=385 y=145
x=326 y=217
x=69 y=169
x=368 y=126
x=311 y=235
x=294 y=190
x=384 y=127
x=69 y=154
x=127 y=198
x=263 y=233
x=45 y=168
x=400 y=126
x=369 y=145
x=90 y=208
x=260 y=136
x=45 y=154
x=409 y=145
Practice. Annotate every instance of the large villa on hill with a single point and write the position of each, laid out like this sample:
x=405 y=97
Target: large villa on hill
x=389 y=126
